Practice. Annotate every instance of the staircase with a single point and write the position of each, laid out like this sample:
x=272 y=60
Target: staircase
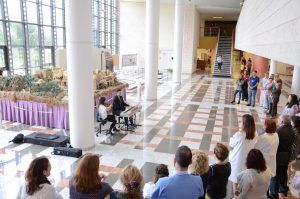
x=224 y=49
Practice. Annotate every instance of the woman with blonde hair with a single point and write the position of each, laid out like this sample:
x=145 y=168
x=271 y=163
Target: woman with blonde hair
x=132 y=180
x=86 y=181
x=241 y=143
x=199 y=166
x=37 y=185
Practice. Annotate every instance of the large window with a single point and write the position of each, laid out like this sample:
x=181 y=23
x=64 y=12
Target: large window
x=31 y=31
x=105 y=23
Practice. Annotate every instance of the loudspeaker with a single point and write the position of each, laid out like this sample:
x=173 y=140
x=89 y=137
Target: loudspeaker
x=71 y=152
x=47 y=140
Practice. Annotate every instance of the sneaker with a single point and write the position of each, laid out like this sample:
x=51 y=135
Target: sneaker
x=238 y=102
x=248 y=105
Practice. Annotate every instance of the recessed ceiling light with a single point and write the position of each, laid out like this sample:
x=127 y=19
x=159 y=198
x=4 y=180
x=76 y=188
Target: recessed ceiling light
x=217 y=17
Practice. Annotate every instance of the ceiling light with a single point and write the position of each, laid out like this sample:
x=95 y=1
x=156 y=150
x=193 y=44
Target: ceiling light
x=217 y=17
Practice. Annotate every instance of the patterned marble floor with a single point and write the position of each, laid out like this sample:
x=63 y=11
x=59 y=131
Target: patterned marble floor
x=197 y=114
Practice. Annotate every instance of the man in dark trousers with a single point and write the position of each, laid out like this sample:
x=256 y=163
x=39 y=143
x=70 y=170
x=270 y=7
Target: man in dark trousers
x=286 y=137
x=119 y=105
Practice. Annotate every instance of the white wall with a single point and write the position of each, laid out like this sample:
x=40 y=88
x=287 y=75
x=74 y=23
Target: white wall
x=132 y=28
x=191 y=38
x=270 y=28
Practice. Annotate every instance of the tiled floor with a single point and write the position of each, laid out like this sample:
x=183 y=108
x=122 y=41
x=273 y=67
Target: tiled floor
x=197 y=114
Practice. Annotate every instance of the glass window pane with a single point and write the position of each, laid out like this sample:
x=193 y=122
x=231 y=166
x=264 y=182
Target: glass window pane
x=33 y=35
x=20 y=72
x=34 y=57
x=95 y=8
x=60 y=37
x=46 y=2
x=46 y=15
x=34 y=70
x=18 y=56
x=59 y=3
x=16 y=33
x=48 y=56
x=47 y=36
x=1 y=34
x=59 y=17
x=31 y=12
x=14 y=10
x=2 y=59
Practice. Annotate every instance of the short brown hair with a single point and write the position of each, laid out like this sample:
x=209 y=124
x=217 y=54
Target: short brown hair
x=160 y=172
x=221 y=151
x=249 y=126
x=86 y=177
x=199 y=163
x=270 y=125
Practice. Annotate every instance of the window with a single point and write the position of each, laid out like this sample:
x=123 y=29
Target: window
x=32 y=30
x=105 y=23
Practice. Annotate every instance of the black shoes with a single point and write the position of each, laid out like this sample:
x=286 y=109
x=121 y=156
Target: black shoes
x=238 y=102
x=248 y=105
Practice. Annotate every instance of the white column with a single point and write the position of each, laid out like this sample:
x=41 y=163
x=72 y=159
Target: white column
x=151 y=58
x=178 y=38
x=295 y=89
x=80 y=73
x=272 y=67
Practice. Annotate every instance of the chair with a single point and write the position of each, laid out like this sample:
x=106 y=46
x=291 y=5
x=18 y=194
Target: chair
x=102 y=123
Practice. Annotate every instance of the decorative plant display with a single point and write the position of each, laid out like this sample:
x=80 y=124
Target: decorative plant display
x=17 y=83
x=50 y=86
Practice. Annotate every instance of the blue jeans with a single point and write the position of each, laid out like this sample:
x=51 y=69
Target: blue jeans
x=252 y=94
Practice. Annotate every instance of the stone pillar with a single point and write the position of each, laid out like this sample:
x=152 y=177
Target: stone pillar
x=80 y=72
x=178 y=40
x=260 y=64
x=152 y=40
x=272 y=66
x=295 y=89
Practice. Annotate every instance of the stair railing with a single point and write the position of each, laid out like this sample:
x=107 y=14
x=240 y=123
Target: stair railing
x=216 y=52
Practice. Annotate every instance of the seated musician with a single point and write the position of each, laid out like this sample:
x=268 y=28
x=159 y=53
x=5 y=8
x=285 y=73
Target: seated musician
x=103 y=115
x=119 y=105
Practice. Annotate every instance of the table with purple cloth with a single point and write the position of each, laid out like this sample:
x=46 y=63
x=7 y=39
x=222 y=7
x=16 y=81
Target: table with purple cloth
x=41 y=114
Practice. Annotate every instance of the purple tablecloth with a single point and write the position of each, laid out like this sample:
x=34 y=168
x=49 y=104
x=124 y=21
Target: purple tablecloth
x=40 y=114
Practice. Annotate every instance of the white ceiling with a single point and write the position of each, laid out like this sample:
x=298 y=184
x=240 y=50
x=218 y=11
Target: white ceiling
x=229 y=9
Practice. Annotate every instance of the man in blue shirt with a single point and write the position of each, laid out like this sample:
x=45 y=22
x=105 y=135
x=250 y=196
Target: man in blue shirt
x=253 y=84
x=181 y=184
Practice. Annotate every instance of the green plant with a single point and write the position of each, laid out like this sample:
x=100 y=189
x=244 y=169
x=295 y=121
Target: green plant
x=4 y=82
x=30 y=81
x=17 y=83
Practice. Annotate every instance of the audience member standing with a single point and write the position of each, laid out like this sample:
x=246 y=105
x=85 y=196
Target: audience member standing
x=253 y=182
x=199 y=167
x=245 y=88
x=238 y=90
x=181 y=184
x=86 y=181
x=296 y=143
x=37 y=185
x=268 y=142
x=275 y=96
x=253 y=84
x=249 y=66
x=292 y=106
x=262 y=100
x=132 y=181
x=286 y=137
x=241 y=142
x=269 y=87
x=161 y=171
x=218 y=173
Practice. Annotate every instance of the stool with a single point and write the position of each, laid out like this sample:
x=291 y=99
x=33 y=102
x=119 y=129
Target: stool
x=102 y=123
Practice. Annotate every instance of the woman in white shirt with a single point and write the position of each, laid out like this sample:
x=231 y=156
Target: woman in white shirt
x=103 y=115
x=267 y=143
x=253 y=183
x=241 y=142
x=37 y=185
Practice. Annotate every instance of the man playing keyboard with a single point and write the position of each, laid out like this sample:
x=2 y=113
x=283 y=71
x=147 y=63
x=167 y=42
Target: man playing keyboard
x=119 y=105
